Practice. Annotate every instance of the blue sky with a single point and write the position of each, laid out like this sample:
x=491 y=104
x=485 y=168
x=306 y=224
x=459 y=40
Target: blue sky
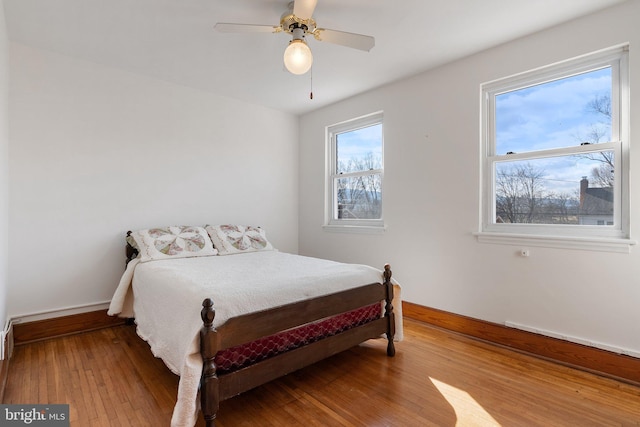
x=359 y=143
x=554 y=115
x=549 y=115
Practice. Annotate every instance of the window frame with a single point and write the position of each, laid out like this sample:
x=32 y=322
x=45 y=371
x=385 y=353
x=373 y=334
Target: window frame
x=332 y=223
x=555 y=234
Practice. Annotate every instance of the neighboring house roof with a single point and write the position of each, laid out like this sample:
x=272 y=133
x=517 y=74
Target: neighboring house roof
x=595 y=200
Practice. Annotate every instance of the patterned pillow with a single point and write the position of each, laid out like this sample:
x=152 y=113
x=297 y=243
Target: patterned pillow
x=233 y=239
x=172 y=242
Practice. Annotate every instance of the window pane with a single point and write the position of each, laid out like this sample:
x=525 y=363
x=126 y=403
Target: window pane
x=576 y=189
x=560 y=113
x=359 y=197
x=359 y=150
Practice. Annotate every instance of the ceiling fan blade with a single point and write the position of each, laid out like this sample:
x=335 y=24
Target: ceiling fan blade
x=356 y=41
x=303 y=9
x=224 y=27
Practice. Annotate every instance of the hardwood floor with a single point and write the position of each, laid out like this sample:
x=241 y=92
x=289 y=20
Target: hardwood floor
x=110 y=378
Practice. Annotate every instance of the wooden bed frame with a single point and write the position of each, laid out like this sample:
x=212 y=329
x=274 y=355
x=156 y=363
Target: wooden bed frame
x=243 y=329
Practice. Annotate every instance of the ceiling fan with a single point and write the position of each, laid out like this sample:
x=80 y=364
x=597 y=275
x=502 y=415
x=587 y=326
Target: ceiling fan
x=298 y=21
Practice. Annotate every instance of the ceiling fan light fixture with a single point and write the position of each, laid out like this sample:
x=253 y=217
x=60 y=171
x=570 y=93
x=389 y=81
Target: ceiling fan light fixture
x=298 y=57
x=298 y=22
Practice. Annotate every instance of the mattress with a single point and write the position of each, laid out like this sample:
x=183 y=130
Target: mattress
x=240 y=356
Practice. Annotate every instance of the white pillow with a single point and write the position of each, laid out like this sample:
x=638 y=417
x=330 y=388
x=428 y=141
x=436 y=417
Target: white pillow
x=234 y=239
x=173 y=242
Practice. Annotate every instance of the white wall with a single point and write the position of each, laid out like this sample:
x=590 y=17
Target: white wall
x=96 y=151
x=432 y=198
x=4 y=164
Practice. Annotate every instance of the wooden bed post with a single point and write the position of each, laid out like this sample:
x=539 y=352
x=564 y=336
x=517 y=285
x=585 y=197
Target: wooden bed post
x=209 y=392
x=388 y=311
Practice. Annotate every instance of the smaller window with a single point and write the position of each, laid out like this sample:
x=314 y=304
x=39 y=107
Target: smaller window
x=355 y=175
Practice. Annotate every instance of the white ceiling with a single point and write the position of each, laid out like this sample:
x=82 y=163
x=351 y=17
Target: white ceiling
x=174 y=40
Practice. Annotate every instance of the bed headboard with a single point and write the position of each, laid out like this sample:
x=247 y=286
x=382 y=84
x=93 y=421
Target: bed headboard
x=132 y=251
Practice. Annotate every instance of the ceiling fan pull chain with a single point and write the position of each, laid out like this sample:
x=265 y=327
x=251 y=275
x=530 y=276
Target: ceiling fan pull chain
x=311 y=75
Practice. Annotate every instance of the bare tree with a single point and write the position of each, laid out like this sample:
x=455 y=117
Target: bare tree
x=604 y=173
x=561 y=208
x=521 y=197
x=359 y=196
x=519 y=193
x=601 y=104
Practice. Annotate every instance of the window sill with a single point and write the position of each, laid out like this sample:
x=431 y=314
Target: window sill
x=359 y=229
x=561 y=242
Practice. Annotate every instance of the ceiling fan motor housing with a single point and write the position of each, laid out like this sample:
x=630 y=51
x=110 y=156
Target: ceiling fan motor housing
x=289 y=23
x=298 y=33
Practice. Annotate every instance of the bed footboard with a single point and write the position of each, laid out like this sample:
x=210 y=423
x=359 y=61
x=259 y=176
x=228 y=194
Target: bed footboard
x=214 y=388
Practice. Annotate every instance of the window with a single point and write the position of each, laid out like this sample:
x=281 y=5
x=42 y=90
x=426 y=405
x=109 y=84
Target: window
x=355 y=175
x=555 y=150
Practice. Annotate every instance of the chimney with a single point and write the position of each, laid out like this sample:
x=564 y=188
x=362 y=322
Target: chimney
x=584 y=184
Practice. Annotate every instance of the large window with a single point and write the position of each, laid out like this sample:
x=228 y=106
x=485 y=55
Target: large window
x=555 y=149
x=355 y=175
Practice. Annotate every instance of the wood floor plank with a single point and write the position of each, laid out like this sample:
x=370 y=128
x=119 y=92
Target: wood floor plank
x=110 y=378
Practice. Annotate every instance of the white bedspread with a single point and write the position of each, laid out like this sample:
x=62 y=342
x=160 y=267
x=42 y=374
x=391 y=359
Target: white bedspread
x=167 y=293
